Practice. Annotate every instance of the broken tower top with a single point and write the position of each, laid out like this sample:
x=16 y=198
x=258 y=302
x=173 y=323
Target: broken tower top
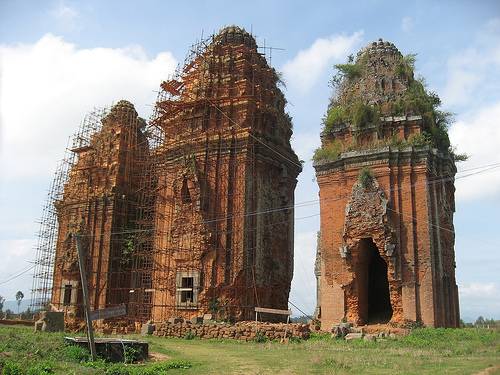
x=235 y=35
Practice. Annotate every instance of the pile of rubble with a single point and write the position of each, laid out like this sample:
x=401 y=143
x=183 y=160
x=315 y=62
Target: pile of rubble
x=367 y=333
x=247 y=330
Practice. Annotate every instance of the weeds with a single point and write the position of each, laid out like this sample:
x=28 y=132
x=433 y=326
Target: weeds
x=328 y=152
x=260 y=337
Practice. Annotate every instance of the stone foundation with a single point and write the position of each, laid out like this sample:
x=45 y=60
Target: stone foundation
x=246 y=331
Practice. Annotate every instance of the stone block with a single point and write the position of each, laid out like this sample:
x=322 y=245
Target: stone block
x=197 y=320
x=147 y=329
x=370 y=338
x=207 y=317
x=175 y=320
x=340 y=331
x=353 y=336
x=50 y=321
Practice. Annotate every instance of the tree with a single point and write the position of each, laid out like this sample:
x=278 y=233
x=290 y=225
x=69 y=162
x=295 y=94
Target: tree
x=479 y=322
x=19 y=299
x=2 y=300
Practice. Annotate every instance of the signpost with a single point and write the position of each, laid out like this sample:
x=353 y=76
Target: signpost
x=274 y=311
x=271 y=311
x=85 y=291
x=109 y=312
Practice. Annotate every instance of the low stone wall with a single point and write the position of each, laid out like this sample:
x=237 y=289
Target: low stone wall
x=13 y=322
x=241 y=331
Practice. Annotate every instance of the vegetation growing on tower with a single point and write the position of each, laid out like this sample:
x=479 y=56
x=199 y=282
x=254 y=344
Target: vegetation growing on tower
x=380 y=84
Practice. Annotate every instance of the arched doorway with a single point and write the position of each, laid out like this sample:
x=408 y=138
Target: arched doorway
x=373 y=286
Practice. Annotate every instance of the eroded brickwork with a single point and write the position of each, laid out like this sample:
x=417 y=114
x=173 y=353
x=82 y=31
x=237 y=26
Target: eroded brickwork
x=99 y=203
x=194 y=213
x=227 y=160
x=387 y=200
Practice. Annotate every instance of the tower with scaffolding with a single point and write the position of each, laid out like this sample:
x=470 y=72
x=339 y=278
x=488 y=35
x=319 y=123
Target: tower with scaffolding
x=191 y=213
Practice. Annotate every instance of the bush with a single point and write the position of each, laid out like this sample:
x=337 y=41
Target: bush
x=335 y=116
x=76 y=353
x=118 y=369
x=460 y=157
x=260 y=337
x=420 y=140
x=328 y=152
x=406 y=66
x=189 y=335
x=41 y=369
x=131 y=354
x=365 y=177
x=349 y=71
x=160 y=368
x=363 y=114
x=11 y=368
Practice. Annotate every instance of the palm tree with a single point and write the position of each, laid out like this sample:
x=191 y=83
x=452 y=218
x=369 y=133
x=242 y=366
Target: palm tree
x=19 y=298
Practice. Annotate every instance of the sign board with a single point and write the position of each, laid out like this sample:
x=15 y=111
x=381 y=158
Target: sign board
x=273 y=311
x=110 y=312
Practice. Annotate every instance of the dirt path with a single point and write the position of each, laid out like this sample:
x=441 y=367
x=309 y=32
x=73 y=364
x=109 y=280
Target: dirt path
x=489 y=370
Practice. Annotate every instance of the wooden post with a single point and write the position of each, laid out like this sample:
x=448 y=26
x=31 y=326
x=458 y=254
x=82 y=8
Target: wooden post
x=286 y=327
x=85 y=291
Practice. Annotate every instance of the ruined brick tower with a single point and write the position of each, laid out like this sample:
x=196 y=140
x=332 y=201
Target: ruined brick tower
x=225 y=165
x=99 y=201
x=386 y=176
x=190 y=213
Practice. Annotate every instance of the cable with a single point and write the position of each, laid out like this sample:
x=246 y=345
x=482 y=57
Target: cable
x=18 y=275
x=298 y=308
x=315 y=202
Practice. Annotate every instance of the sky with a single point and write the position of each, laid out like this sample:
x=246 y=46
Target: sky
x=60 y=59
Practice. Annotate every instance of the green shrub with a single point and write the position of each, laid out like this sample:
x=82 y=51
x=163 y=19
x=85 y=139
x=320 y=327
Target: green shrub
x=118 y=369
x=335 y=116
x=363 y=114
x=295 y=339
x=328 y=152
x=406 y=66
x=163 y=367
x=41 y=369
x=11 y=368
x=260 y=337
x=131 y=354
x=76 y=353
x=365 y=177
x=350 y=70
x=460 y=157
x=189 y=335
x=420 y=140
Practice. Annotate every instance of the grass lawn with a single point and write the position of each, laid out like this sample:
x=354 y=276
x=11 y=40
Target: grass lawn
x=424 y=351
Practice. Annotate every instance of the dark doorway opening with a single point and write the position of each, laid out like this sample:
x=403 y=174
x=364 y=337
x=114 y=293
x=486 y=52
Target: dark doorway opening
x=373 y=288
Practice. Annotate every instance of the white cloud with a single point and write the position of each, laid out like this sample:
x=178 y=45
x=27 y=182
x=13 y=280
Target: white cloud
x=304 y=144
x=65 y=15
x=475 y=68
x=15 y=257
x=478 y=135
x=305 y=68
x=303 y=291
x=479 y=299
x=485 y=290
x=407 y=24
x=47 y=87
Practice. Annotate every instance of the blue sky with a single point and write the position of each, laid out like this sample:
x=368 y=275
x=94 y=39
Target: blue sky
x=58 y=59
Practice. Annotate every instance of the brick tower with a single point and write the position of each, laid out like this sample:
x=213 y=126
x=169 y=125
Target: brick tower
x=99 y=201
x=225 y=165
x=386 y=176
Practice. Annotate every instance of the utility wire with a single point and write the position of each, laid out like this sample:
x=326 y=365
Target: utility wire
x=18 y=275
x=313 y=202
